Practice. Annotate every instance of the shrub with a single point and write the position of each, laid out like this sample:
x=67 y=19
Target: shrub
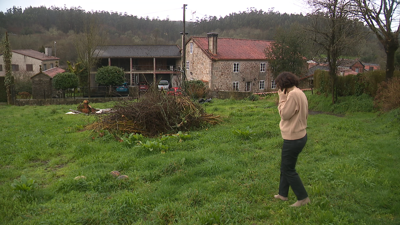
x=196 y=89
x=254 y=97
x=24 y=185
x=22 y=82
x=388 y=95
x=322 y=81
x=63 y=81
x=110 y=76
x=351 y=85
x=372 y=79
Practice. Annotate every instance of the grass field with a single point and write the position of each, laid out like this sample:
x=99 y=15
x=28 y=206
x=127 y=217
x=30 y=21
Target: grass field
x=223 y=174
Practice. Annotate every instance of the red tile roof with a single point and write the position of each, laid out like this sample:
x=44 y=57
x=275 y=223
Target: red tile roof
x=53 y=71
x=235 y=49
x=35 y=54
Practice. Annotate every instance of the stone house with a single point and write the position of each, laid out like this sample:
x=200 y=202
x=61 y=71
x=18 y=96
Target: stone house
x=350 y=67
x=228 y=64
x=27 y=62
x=42 y=87
x=143 y=63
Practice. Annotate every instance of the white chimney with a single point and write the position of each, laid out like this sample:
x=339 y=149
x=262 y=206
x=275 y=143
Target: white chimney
x=47 y=51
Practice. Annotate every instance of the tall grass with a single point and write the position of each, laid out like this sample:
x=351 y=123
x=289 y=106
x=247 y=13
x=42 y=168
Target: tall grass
x=224 y=174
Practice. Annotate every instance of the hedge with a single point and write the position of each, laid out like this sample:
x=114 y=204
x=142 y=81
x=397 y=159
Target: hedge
x=352 y=84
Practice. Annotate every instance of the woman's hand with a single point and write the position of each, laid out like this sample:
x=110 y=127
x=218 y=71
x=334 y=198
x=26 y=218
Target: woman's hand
x=282 y=95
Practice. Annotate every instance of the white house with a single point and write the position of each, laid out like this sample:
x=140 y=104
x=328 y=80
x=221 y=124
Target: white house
x=27 y=62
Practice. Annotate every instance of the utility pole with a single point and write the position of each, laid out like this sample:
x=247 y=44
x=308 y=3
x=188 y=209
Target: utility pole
x=184 y=48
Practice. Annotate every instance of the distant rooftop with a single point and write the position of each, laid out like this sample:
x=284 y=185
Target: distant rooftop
x=53 y=71
x=138 y=51
x=35 y=54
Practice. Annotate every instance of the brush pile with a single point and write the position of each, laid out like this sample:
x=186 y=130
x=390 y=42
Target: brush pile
x=155 y=113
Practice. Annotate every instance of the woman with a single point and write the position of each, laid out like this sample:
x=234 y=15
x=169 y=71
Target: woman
x=293 y=109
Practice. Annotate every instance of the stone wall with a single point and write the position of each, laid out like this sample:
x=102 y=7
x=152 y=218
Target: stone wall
x=249 y=73
x=230 y=95
x=66 y=101
x=199 y=64
x=41 y=86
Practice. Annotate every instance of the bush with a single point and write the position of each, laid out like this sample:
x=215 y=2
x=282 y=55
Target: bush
x=388 y=95
x=110 y=76
x=351 y=85
x=253 y=97
x=322 y=81
x=63 y=81
x=196 y=89
x=22 y=82
x=372 y=79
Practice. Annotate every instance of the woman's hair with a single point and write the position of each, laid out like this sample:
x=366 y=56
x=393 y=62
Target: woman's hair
x=286 y=80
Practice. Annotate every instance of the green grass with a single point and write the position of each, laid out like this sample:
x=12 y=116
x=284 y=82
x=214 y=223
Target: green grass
x=223 y=174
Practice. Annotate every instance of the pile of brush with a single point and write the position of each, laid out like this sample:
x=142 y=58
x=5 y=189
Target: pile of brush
x=155 y=113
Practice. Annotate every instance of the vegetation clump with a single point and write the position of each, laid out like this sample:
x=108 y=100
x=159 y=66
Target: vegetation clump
x=388 y=95
x=154 y=114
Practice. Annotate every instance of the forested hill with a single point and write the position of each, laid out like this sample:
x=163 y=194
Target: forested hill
x=35 y=27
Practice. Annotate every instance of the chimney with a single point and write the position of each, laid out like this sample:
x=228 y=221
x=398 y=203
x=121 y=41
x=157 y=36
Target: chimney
x=212 y=42
x=47 y=51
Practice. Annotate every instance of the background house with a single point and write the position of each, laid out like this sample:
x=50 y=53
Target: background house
x=27 y=62
x=143 y=63
x=228 y=64
x=42 y=86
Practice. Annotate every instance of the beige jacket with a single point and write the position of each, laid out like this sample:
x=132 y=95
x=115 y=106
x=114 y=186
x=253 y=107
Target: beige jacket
x=293 y=109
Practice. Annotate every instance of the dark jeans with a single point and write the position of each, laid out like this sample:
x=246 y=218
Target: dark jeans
x=289 y=177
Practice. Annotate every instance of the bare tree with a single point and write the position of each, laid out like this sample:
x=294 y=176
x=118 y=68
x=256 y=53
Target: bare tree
x=380 y=18
x=334 y=31
x=7 y=54
x=88 y=43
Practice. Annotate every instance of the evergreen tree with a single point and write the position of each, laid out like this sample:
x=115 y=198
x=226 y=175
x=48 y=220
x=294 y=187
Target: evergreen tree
x=287 y=52
x=7 y=54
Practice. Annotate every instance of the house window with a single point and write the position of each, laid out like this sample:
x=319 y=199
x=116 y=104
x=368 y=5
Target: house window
x=1 y=67
x=29 y=67
x=248 y=86
x=273 y=85
x=262 y=67
x=236 y=86
x=44 y=67
x=262 y=85
x=371 y=68
x=15 y=67
x=357 y=70
x=187 y=65
x=51 y=65
x=236 y=67
x=191 y=47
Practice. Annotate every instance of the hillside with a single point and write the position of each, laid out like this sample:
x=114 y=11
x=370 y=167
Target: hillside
x=36 y=27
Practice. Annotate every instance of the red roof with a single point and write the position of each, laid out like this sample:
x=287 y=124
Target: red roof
x=35 y=54
x=53 y=71
x=235 y=49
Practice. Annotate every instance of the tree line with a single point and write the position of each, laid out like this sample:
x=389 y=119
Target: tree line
x=57 y=27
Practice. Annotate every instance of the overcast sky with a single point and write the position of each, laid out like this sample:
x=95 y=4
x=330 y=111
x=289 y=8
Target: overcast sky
x=164 y=9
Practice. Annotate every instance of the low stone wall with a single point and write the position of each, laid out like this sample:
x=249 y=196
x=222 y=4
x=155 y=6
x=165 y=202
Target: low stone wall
x=230 y=94
x=66 y=101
